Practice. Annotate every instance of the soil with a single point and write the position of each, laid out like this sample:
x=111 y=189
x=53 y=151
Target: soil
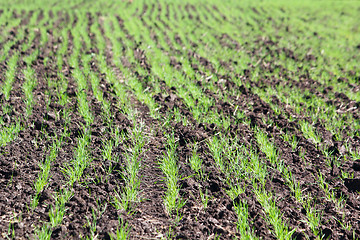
x=20 y=158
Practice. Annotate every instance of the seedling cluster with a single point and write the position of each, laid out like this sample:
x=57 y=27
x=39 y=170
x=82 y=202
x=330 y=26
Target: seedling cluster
x=182 y=119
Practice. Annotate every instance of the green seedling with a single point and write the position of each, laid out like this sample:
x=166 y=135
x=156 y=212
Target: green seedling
x=128 y=196
x=92 y=223
x=314 y=218
x=309 y=132
x=273 y=214
x=196 y=162
x=8 y=134
x=107 y=154
x=204 y=198
x=10 y=75
x=122 y=233
x=215 y=146
x=267 y=147
x=242 y=225
x=168 y=165
x=74 y=170
x=44 y=233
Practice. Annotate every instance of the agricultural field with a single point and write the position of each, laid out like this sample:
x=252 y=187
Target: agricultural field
x=179 y=119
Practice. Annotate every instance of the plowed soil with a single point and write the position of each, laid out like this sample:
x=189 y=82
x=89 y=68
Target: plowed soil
x=20 y=158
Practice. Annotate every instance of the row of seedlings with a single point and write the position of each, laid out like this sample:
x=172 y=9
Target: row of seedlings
x=219 y=164
x=217 y=158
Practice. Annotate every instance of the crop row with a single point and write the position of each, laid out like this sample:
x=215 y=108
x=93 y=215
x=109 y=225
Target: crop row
x=211 y=73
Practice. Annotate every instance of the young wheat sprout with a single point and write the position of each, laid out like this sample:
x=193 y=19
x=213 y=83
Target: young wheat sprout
x=168 y=165
x=128 y=196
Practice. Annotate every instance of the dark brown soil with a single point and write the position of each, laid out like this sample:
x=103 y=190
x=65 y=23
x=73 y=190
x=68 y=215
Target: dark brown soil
x=20 y=158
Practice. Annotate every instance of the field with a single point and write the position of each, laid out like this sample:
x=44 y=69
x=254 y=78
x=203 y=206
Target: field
x=179 y=119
